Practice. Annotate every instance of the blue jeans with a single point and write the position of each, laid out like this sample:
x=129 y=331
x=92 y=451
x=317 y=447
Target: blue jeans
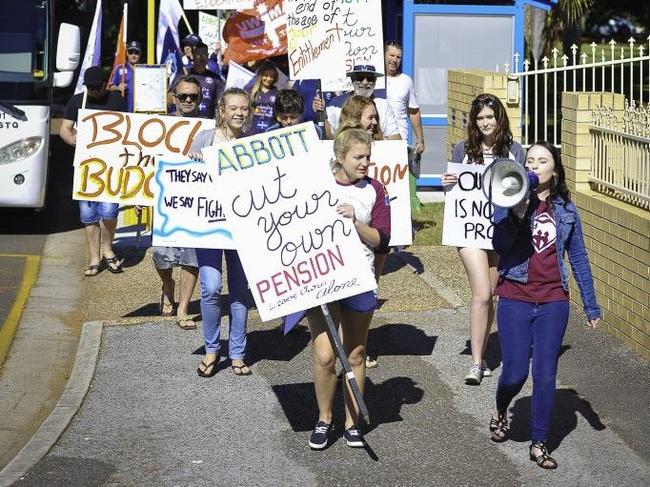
x=210 y=276
x=524 y=325
x=90 y=212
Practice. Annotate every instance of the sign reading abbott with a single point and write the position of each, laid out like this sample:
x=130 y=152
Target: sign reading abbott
x=468 y=213
x=280 y=198
x=116 y=153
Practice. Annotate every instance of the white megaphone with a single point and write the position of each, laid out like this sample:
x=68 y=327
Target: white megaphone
x=506 y=183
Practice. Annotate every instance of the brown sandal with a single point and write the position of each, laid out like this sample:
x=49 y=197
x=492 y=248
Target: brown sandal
x=186 y=323
x=544 y=460
x=212 y=364
x=499 y=428
x=239 y=371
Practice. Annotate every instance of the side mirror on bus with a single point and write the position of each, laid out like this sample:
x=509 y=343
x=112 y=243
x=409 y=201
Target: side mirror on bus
x=68 y=52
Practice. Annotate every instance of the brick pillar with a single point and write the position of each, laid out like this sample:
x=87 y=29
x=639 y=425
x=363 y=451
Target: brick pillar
x=463 y=87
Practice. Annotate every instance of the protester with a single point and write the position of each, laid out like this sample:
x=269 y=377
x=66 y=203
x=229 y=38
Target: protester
x=232 y=119
x=99 y=218
x=187 y=44
x=363 y=79
x=187 y=96
x=122 y=77
x=288 y=109
x=400 y=93
x=212 y=85
x=364 y=202
x=361 y=110
x=262 y=91
x=488 y=137
x=309 y=89
x=533 y=291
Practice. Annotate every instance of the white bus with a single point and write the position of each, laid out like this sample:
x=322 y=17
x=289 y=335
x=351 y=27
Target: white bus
x=27 y=78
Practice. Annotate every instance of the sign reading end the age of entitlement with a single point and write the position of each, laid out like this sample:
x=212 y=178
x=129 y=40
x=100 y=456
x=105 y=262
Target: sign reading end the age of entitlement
x=468 y=213
x=280 y=199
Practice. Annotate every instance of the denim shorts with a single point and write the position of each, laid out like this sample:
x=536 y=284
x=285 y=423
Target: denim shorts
x=168 y=257
x=361 y=303
x=92 y=211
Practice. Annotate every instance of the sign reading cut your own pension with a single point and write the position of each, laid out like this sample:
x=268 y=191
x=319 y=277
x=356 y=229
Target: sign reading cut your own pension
x=280 y=198
x=315 y=39
x=468 y=213
x=116 y=153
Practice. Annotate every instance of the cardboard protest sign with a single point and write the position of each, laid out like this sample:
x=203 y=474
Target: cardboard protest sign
x=187 y=209
x=315 y=40
x=217 y=5
x=280 y=197
x=389 y=165
x=364 y=41
x=210 y=30
x=116 y=153
x=468 y=213
x=150 y=88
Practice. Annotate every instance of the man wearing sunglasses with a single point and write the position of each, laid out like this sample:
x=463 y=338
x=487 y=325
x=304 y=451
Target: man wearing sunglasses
x=363 y=79
x=122 y=77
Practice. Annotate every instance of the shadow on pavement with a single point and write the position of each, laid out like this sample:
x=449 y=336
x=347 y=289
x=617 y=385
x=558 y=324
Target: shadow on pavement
x=400 y=339
x=568 y=404
x=77 y=472
x=384 y=401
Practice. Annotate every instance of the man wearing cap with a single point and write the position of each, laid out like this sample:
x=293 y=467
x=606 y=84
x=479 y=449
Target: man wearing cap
x=187 y=44
x=363 y=79
x=99 y=219
x=122 y=77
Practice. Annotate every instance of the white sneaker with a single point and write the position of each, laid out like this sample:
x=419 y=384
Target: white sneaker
x=485 y=370
x=474 y=375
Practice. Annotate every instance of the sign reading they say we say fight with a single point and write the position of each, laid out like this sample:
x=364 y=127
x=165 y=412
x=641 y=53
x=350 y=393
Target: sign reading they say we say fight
x=116 y=153
x=280 y=198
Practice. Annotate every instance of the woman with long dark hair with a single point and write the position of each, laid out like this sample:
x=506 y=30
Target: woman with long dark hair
x=263 y=91
x=533 y=310
x=488 y=138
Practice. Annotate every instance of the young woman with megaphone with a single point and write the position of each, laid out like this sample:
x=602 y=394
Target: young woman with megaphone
x=488 y=138
x=531 y=239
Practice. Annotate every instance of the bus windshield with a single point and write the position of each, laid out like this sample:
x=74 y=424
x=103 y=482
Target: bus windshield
x=24 y=49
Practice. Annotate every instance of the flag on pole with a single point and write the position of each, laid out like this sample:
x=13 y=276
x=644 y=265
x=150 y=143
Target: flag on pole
x=171 y=56
x=93 y=48
x=169 y=15
x=120 y=50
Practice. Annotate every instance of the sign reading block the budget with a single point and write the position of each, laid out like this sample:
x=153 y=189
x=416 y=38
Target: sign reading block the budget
x=315 y=39
x=187 y=209
x=281 y=198
x=116 y=153
x=468 y=213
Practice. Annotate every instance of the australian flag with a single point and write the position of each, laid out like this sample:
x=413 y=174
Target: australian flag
x=171 y=56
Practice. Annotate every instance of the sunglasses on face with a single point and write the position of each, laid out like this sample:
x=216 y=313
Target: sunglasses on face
x=360 y=77
x=187 y=96
x=133 y=51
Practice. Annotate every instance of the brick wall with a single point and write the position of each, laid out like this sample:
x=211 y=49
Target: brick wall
x=617 y=235
x=463 y=87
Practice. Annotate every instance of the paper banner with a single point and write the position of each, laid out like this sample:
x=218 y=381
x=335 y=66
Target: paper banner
x=217 y=5
x=468 y=213
x=210 y=30
x=116 y=153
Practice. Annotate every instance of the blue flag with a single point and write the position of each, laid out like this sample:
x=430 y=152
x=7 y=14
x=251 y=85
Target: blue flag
x=171 y=55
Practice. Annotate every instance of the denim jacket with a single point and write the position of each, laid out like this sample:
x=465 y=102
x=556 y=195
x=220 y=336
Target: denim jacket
x=513 y=241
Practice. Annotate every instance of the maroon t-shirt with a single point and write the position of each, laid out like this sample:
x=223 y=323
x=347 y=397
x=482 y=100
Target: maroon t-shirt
x=544 y=284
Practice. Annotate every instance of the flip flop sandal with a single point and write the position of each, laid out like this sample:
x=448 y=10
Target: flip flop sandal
x=164 y=301
x=186 y=323
x=238 y=370
x=212 y=364
x=371 y=363
x=91 y=271
x=115 y=260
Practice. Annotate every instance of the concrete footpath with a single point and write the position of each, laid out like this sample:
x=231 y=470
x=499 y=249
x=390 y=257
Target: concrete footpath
x=148 y=419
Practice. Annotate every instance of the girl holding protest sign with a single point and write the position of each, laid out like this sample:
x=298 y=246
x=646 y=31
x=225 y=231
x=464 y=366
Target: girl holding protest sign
x=233 y=114
x=262 y=94
x=366 y=204
x=488 y=137
x=533 y=291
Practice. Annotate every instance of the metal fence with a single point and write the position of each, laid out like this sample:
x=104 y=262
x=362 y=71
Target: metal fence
x=621 y=163
x=609 y=68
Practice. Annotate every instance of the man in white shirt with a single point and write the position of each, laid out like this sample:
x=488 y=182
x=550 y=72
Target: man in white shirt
x=401 y=96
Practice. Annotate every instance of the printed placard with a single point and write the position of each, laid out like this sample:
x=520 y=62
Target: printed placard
x=217 y=5
x=210 y=30
x=315 y=39
x=389 y=165
x=150 y=88
x=280 y=198
x=116 y=153
x=187 y=209
x=468 y=213
x=363 y=38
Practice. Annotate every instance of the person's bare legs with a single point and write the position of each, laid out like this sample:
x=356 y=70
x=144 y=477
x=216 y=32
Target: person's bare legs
x=481 y=277
x=187 y=279
x=92 y=239
x=354 y=327
x=324 y=362
x=167 y=289
x=108 y=227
